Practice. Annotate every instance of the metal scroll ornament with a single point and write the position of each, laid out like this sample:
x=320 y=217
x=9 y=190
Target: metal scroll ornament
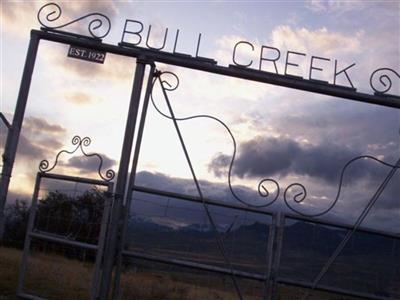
x=80 y=143
x=51 y=12
x=381 y=80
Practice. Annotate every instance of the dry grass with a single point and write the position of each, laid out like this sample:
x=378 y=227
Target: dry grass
x=56 y=277
x=51 y=276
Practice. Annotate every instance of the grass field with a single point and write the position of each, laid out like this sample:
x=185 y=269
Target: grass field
x=56 y=277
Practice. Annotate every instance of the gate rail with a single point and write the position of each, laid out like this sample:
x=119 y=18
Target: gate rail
x=272 y=278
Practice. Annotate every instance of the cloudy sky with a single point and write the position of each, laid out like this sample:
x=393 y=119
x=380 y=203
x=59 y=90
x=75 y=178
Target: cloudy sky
x=283 y=134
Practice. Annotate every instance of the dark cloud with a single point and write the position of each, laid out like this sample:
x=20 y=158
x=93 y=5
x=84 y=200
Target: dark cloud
x=88 y=165
x=264 y=157
x=35 y=125
x=370 y=128
x=29 y=150
x=39 y=139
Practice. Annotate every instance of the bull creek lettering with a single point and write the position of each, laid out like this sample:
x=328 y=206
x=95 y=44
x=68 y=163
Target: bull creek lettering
x=135 y=33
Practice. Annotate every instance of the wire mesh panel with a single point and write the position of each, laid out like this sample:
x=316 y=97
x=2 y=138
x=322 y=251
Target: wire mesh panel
x=176 y=233
x=173 y=228
x=67 y=221
x=73 y=211
x=368 y=266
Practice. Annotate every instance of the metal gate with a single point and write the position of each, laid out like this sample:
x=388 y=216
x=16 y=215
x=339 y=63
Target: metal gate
x=114 y=241
x=67 y=220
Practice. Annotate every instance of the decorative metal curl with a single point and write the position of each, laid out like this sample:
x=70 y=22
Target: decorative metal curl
x=44 y=165
x=300 y=196
x=384 y=80
x=56 y=13
x=171 y=87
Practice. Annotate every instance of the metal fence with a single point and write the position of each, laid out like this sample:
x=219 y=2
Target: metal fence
x=64 y=220
x=281 y=253
x=248 y=252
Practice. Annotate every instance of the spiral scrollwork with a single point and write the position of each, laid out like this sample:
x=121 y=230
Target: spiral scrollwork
x=167 y=84
x=44 y=165
x=80 y=143
x=264 y=189
x=380 y=80
x=51 y=12
x=76 y=140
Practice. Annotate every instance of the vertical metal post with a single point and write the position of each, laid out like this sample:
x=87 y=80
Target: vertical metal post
x=10 y=148
x=270 y=258
x=28 y=238
x=132 y=179
x=101 y=241
x=277 y=256
x=116 y=213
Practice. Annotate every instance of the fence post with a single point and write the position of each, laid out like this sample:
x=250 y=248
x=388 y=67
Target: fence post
x=270 y=258
x=280 y=226
x=14 y=130
x=132 y=178
x=120 y=189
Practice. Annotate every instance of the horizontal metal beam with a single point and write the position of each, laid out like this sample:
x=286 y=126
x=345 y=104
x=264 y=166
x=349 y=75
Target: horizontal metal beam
x=209 y=65
x=259 y=211
x=74 y=179
x=29 y=296
x=200 y=200
x=325 y=288
x=193 y=265
x=43 y=236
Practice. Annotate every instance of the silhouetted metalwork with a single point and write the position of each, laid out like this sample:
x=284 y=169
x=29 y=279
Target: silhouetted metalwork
x=263 y=191
x=385 y=82
x=55 y=12
x=80 y=143
x=295 y=192
x=301 y=194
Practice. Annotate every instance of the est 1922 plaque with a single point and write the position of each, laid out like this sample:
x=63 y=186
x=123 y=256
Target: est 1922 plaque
x=87 y=54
